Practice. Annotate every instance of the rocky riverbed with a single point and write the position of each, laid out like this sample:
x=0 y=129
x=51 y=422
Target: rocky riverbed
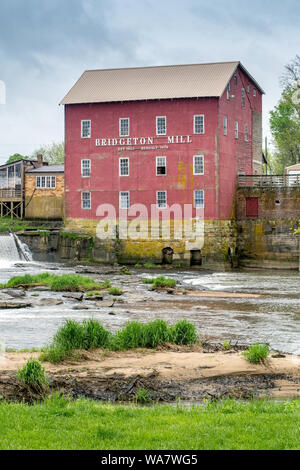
x=239 y=307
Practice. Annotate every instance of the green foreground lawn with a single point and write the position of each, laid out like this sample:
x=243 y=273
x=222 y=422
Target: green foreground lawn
x=61 y=424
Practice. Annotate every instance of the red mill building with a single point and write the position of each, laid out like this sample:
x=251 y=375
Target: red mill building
x=160 y=136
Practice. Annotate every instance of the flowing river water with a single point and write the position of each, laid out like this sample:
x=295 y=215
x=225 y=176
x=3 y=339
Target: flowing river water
x=274 y=317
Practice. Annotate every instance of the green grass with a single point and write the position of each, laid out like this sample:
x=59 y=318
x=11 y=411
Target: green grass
x=257 y=353
x=65 y=282
x=61 y=424
x=142 y=396
x=161 y=281
x=33 y=375
x=90 y=334
x=15 y=225
x=115 y=291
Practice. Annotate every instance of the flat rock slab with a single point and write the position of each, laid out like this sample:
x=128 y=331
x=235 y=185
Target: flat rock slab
x=97 y=298
x=105 y=304
x=40 y=289
x=96 y=270
x=74 y=295
x=49 y=302
x=7 y=304
x=81 y=307
x=15 y=293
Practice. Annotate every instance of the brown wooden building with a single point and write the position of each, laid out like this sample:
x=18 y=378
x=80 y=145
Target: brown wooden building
x=12 y=186
x=44 y=192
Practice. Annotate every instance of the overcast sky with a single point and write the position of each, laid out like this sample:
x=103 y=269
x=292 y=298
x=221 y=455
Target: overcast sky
x=45 y=45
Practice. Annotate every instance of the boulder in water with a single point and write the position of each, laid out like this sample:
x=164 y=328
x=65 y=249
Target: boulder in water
x=74 y=296
x=16 y=293
x=7 y=304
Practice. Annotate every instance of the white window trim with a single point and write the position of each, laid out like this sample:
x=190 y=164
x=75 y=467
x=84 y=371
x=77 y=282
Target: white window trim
x=86 y=208
x=194 y=165
x=225 y=126
x=236 y=130
x=243 y=97
x=124 y=135
x=120 y=200
x=45 y=177
x=161 y=165
x=85 y=160
x=157 y=118
x=82 y=121
x=53 y=187
x=202 y=207
x=195 y=116
x=166 y=206
x=124 y=176
x=254 y=92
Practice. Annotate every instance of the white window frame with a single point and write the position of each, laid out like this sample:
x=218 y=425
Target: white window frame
x=90 y=135
x=203 y=199
x=236 y=129
x=128 y=200
x=246 y=133
x=120 y=127
x=202 y=116
x=157 y=200
x=194 y=165
x=82 y=168
x=243 y=97
x=235 y=77
x=90 y=200
x=161 y=117
x=254 y=92
x=45 y=182
x=225 y=126
x=120 y=167
x=158 y=166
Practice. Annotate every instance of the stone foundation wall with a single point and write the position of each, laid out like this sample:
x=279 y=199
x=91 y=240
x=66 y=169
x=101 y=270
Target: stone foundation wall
x=268 y=241
x=218 y=252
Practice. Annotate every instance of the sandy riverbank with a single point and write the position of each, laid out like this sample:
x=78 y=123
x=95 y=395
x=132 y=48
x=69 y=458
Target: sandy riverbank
x=191 y=374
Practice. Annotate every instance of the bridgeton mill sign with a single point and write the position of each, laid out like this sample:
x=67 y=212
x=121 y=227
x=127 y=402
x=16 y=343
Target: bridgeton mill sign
x=137 y=141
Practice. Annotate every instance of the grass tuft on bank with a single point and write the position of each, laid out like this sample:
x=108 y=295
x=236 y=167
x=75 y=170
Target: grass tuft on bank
x=90 y=334
x=257 y=353
x=160 y=282
x=62 y=283
x=61 y=424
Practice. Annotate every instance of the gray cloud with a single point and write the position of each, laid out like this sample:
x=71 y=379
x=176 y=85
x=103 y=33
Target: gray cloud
x=46 y=45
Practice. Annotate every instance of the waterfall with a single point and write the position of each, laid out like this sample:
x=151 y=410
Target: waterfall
x=12 y=250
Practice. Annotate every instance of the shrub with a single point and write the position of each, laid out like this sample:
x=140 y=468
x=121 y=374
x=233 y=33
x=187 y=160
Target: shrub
x=54 y=354
x=33 y=375
x=70 y=336
x=183 y=333
x=132 y=336
x=90 y=334
x=257 y=353
x=156 y=333
x=142 y=396
x=94 y=335
x=65 y=282
x=226 y=345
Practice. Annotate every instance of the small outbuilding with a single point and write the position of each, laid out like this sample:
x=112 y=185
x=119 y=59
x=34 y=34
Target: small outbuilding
x=45 y=192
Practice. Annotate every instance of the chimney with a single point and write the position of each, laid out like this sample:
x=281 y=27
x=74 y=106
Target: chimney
x=40 y=160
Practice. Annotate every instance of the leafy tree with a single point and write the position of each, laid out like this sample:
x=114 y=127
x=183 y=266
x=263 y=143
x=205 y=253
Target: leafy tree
x=52 y=153
x=16 y=157
x=285 y=120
